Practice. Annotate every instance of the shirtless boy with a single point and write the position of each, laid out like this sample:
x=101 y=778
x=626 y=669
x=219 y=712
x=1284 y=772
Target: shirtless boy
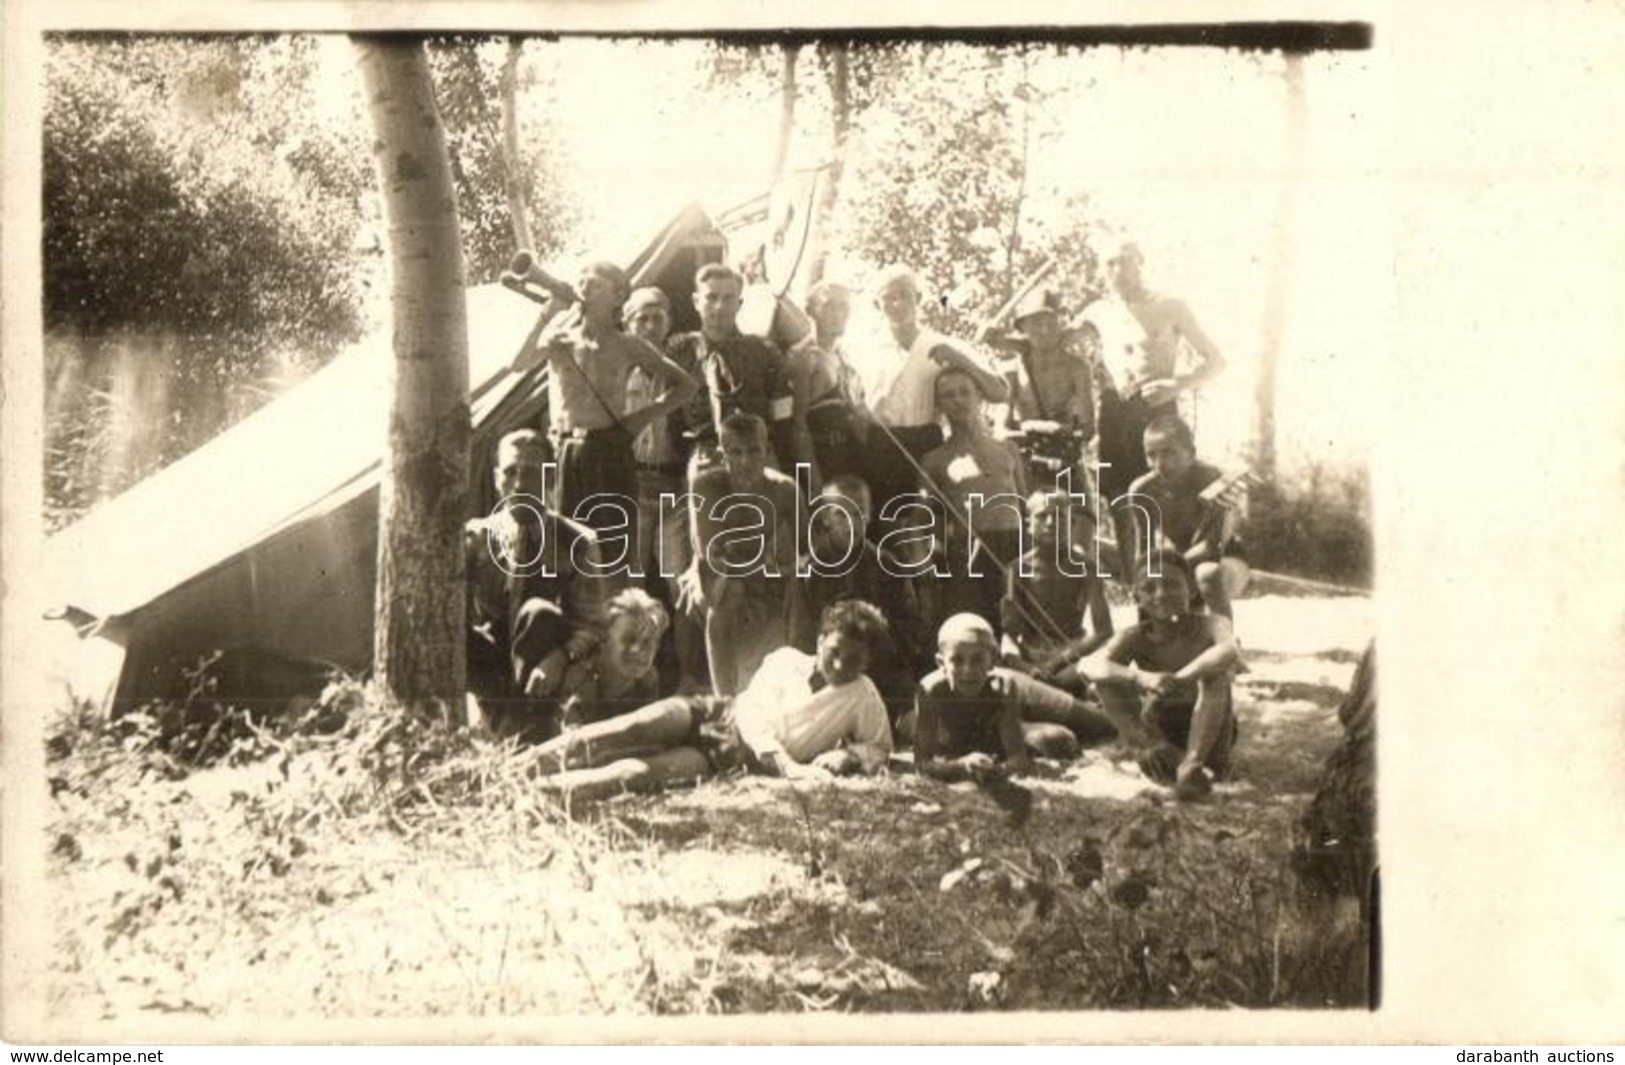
x=1189 y=524
x=1054 y=610
x=744 y=554
x=970 y=713
x=589 y=361
x=1139 y=335
x=1165 y=682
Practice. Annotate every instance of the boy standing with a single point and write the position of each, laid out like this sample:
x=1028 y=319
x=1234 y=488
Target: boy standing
x=590 y=361
x=1165 y=682
x=742 y=373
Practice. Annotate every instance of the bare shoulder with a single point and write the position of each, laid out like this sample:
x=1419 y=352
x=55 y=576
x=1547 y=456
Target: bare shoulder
x=712 y=482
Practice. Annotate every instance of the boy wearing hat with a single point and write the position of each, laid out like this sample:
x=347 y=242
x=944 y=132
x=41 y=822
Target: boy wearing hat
x=1053 y=377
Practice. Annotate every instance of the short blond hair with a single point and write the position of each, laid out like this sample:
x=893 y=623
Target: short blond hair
x=967 y=628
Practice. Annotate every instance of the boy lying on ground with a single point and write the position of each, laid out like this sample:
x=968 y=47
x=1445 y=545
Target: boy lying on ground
x=970 y=713
x=1165 y=682
x=803 y=715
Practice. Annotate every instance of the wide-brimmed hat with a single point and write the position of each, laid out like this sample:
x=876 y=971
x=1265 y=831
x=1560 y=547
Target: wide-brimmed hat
x=1038 y=301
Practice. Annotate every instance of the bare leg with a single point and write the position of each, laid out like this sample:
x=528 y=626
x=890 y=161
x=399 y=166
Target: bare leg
x=1046 y=740
x=631 y=774
x=1080 y=719
x=1211 y=583
x=1123 y=707
x=1210 y=733
x=647 y=730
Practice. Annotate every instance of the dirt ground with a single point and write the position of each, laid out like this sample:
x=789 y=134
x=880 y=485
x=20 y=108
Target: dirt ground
x=284 y=888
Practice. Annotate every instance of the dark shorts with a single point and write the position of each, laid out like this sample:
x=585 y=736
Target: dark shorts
x=713 y=733
x=887 y=467
x=597 y=462
x=1172 y=717
x=834 y=443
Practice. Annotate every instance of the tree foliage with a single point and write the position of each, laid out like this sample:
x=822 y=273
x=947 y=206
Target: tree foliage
x=199 y=234
x=940 y=181
x=468 y=73
x=174 y=201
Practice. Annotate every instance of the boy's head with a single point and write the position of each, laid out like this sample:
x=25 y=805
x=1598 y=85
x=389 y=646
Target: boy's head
x=744 y=446
x=634 y=621
x=1170 y=446
x=719 y=291
x=648 y=315
x=842 y=517
x=967 y=651
x=602 y=288
x=959 y=398
x=897 y=294
x=829 y=304
x=1124 y=270
x=1038 y=318
x=1053 y=515
x=849 y=634
x=520 y=457
x=1163 y=586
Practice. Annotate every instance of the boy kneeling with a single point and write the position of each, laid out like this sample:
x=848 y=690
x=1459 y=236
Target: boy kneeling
x=970 y=712
x=802 y=715
x=1165 y=682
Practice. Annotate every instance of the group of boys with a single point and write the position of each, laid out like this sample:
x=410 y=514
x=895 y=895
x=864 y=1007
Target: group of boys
x=809 y=645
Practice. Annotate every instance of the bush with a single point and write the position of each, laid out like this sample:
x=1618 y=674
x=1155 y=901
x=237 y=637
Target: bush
x=1314 y=522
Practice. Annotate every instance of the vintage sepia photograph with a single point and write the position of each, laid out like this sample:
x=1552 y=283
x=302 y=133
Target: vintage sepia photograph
x=616 y=525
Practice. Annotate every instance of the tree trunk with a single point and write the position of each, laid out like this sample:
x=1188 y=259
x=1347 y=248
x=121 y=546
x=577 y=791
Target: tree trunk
x=512 y=166
x=787 y=110
x=419 y=636
x=829 y=193
x=1263 y=449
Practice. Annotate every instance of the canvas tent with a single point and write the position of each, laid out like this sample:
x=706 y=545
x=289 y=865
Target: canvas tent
x=265 y=539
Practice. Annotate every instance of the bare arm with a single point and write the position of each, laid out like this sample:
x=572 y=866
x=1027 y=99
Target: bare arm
x=541 y=345
x=680 y=384
x=1220 y=658
x=1111 y=664
x=1212 y=363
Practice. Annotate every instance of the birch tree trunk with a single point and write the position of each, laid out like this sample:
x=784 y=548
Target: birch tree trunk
x=419 y=648
x=1263 y=434
x=512 y=173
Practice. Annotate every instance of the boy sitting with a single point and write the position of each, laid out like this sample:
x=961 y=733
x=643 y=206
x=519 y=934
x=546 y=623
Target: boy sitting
x=840 y=563
x=739 y=580
x=1165 y=682
x=981 y=480
x=802 y=716
x=620 y=675
x=1050 y=592
x=969 y=713
x=1191 y=525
